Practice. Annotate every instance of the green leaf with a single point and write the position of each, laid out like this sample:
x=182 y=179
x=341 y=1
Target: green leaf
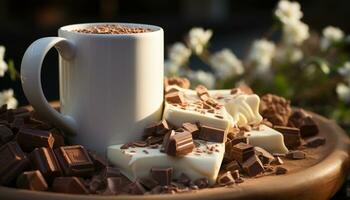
x=14 y=75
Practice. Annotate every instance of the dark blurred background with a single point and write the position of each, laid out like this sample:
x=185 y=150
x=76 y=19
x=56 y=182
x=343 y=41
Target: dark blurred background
x=235 y=24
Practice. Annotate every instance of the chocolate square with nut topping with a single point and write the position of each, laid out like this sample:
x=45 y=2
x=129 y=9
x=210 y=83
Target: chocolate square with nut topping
x=75 y=160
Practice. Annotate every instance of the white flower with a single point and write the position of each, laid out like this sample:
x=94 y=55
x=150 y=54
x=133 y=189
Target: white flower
x=198 y=38
x=6 y=97
x=290 y=54
x=343 y=92
x=345 y=70
x=205 y=78
x=3 y=64
x=179 y=53
x=226 y=64
x=295 y=33
x=288 y=11
x=170 y=68
x=331 y=35
x=261 y=54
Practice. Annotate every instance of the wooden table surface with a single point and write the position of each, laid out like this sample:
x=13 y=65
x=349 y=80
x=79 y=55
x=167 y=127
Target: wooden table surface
x=318 y=180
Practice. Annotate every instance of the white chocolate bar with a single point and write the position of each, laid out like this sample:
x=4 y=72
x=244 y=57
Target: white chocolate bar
x=238 y=109
x=267 y=138
x=176 y=116
x=135 y=163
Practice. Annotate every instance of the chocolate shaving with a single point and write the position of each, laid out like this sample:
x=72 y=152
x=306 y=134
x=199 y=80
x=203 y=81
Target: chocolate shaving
x=315 y=142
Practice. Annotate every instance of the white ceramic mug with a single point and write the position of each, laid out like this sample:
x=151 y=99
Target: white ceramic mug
x=111 y=85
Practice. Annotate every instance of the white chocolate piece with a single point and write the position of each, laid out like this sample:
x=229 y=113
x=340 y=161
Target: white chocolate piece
x=244 y=109
x=135 y=163
x=267 y=138
x=177 y=116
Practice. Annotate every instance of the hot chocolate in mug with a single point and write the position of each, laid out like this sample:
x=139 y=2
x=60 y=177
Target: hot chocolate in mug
x=111 y=85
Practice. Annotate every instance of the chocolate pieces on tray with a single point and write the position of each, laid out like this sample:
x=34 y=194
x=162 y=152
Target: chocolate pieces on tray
x=180 y=153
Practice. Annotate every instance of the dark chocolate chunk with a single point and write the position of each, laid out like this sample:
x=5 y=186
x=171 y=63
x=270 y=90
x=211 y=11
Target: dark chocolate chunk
x=253 y=166
x=17 y=124
x=180 y=144
x=281 y=170
x=238 y=139
x=233 y=166
x=175 y=98
x=162 y=128
x=5 y=134
x=295 y=155
x=162 y=175
x=315 y=142
x=202 y=182
x=226 y=179
x=59 y=140
x=70 y=185
x=29 y=139
x=264 y=156
x=148 y=183
x=192 y=128
x=136 y=188
x=32 y=180
x=75 y=161
x=308 y=128
x=304 y=121
x=150 y=129
x=212 y=134
x=297 y=117
x=99 y=161
x=291 y=136
x=12 y=162
x=44 y=160
x=184 y=179
x=242 y=152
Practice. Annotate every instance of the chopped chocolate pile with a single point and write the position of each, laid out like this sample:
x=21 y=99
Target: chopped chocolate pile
x=35 y=156
x=276 y=109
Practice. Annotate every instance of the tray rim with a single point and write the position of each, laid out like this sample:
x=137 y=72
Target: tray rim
x=337 y=160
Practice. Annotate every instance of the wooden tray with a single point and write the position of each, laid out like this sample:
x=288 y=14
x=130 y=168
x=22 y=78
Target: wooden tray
x=316 y=180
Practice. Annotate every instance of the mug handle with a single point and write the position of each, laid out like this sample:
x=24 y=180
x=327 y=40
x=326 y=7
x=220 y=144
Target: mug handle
x=31 y=79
